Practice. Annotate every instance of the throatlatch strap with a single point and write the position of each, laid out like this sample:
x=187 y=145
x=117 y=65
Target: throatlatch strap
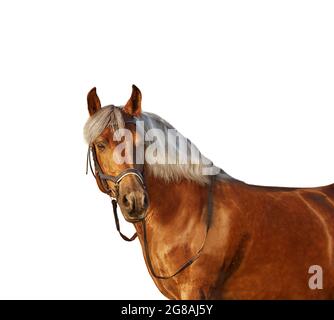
x=114 y=206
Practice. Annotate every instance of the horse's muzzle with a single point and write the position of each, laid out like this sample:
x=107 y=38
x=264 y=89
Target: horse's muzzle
x=134 y=206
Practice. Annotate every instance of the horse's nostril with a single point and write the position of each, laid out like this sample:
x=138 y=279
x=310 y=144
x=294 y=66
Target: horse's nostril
x=125 y=201
x=134 y=202
x=145 y=201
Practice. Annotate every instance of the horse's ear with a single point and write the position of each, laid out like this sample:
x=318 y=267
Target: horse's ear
x=133 y=106
x=93 y=101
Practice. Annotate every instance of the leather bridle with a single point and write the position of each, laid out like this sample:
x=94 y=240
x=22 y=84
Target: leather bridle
x=102 y=179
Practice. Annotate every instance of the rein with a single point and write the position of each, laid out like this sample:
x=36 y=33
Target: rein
x=102 y=178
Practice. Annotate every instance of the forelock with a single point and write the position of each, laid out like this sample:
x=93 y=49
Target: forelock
x=107 y=117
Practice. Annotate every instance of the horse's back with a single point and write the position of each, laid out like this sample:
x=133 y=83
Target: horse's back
x=284 y=204
x=322 y=197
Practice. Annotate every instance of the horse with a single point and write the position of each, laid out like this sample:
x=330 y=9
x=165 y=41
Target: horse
x=205 y=234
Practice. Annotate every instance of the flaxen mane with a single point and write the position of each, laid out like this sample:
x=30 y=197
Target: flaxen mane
x=175 y=157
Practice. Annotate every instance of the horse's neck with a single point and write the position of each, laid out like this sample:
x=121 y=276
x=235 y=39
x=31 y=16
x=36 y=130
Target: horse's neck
x=174 y=201
x=176 y=211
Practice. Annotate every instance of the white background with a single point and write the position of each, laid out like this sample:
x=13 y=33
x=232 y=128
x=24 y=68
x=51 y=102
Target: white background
x=250 y=82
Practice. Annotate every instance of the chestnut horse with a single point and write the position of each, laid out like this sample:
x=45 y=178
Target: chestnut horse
x=204 y=234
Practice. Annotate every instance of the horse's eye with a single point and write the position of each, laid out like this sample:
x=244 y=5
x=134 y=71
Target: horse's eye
x=101 y=146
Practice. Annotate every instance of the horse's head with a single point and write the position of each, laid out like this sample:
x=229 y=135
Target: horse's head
x=113 y=140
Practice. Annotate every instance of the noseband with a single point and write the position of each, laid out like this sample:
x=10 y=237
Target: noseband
x=114 y=193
